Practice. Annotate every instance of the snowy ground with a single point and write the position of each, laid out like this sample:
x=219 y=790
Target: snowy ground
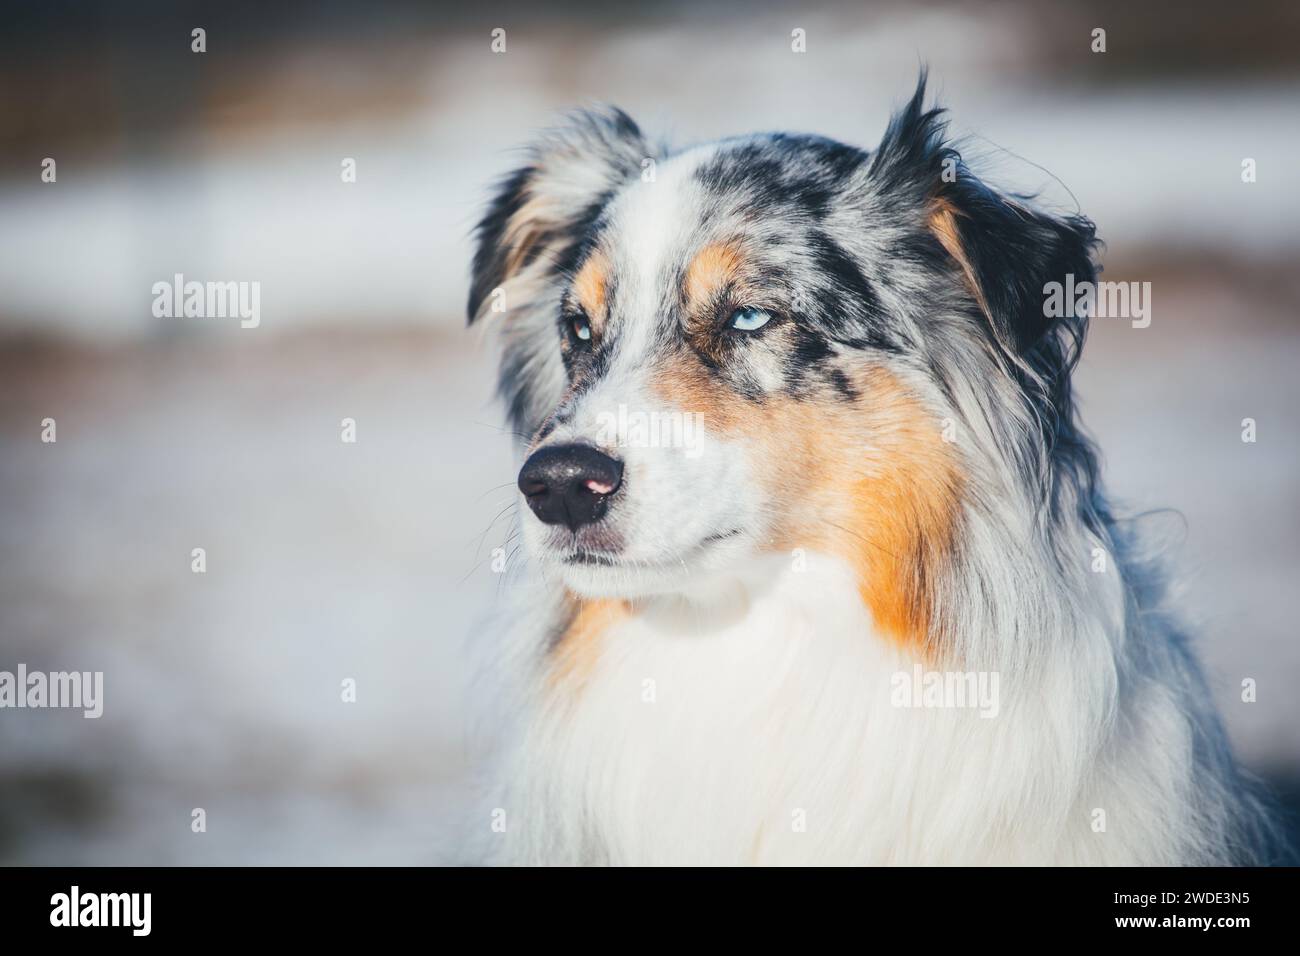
x=325 y=561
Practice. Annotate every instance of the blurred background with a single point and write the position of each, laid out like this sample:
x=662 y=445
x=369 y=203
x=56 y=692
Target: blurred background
x=370 y=561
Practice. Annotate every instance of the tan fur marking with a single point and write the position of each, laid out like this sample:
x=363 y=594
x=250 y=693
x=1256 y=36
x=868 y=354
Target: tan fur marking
x=943 y=223
x=522 y=232
x=578 y=648
x=713 y=268
x=904 y=516
x=871 y=482
x=590 y=287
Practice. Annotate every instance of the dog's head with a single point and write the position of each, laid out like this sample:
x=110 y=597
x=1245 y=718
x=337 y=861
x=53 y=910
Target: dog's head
x=767 y=344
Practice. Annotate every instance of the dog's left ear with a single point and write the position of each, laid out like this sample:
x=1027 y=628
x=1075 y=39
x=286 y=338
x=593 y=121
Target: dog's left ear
x=1006 y=251
x=535 y=224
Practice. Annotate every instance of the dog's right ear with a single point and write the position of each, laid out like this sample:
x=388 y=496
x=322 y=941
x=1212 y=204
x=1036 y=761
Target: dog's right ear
x=1006 y=251
x=535 y=225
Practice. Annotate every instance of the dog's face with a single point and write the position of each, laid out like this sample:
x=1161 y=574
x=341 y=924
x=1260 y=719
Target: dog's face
x=749 y=348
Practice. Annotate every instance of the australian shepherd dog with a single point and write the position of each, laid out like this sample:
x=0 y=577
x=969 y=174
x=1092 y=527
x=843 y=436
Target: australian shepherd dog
x=816 y=565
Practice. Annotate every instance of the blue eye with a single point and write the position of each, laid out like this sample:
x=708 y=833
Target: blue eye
x=581 y=328
x=748 y=320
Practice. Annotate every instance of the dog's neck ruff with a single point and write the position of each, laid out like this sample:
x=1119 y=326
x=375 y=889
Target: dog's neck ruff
x=763 y=721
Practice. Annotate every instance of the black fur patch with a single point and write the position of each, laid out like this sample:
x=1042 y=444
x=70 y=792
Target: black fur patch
x=489 y=266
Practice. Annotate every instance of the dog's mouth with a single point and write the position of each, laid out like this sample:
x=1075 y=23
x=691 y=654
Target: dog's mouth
x=592 y=559
x=601 y=558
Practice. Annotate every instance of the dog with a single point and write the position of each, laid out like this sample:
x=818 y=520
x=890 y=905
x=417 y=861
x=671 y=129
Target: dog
x=858 y=596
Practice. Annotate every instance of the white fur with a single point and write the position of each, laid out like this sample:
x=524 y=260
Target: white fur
x=751 y=719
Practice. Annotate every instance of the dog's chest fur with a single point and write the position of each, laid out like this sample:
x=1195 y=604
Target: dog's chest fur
x=765 y=726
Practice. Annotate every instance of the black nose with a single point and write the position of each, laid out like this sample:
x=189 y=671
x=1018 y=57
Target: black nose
x=569 y=484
